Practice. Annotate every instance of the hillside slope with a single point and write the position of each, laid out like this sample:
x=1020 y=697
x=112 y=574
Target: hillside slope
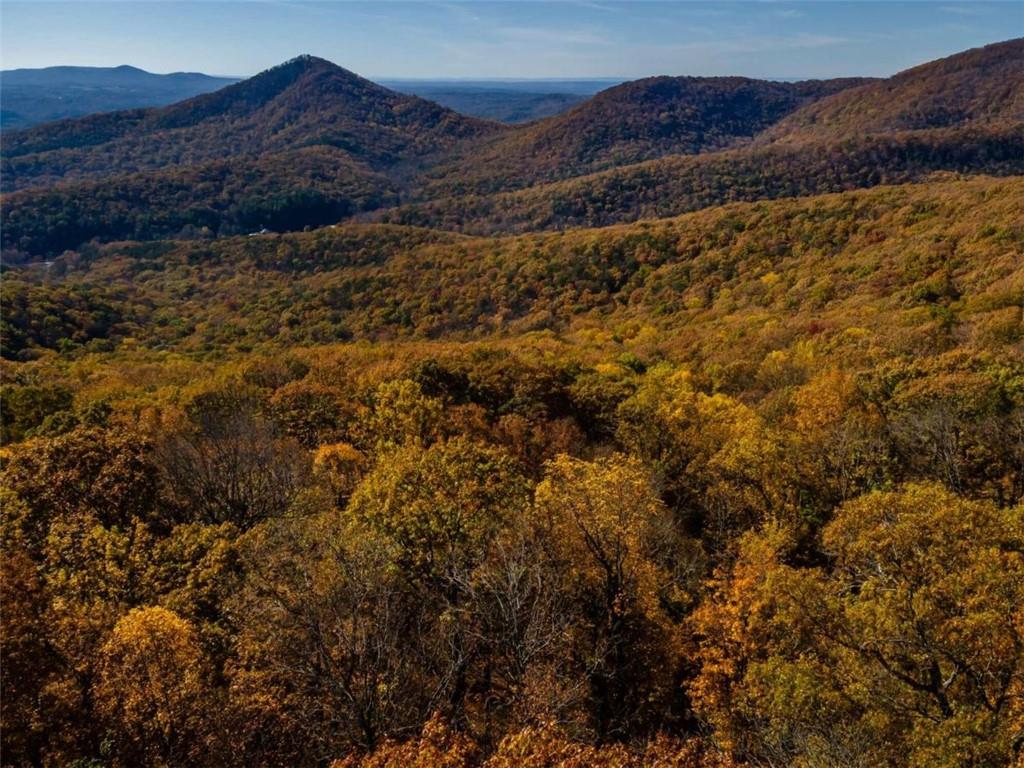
x=911 y=263
x=678 y=184
x=982 y=86
x=303 y=102
x=629 y=123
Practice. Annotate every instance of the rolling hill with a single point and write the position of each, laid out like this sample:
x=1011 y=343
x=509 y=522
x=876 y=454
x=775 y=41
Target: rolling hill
x=680 y=183
x=870 y=258
x=980 y=87
x=629 y=123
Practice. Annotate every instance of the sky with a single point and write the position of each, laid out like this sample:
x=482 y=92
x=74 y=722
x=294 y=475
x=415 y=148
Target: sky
x=517 y=39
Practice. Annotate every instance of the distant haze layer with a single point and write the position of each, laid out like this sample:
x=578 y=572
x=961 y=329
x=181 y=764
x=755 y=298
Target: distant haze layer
x=33 y=96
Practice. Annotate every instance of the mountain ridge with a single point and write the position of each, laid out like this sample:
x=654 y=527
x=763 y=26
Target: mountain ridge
x=221 y=163
x=297 y=98
x=979 y=85
x=633 y=122
x=38 y=96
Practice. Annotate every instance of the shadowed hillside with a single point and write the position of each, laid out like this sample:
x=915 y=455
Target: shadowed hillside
x=301 y=103
x=635 y=121
x=677 y=184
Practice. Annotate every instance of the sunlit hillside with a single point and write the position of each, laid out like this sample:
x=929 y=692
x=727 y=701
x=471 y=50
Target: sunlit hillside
x=682 y=429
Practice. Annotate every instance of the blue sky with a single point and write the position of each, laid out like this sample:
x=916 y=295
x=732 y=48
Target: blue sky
x=521 y=39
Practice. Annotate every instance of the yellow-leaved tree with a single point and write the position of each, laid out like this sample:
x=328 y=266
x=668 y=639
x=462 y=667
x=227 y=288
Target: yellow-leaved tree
x=716 y=461
x=152 y=690
x=904 y=650
x=605 y=534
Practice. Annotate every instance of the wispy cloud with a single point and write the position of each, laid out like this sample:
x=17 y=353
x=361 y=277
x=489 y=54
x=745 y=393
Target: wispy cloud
x=553 y=36
x=460 y=10
x=597 y=6
x=964 y=10
x=761 y=43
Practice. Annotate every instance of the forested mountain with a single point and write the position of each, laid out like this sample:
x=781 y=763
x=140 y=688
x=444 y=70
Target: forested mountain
x=960 y=114
x=307 y=144
x=32 y=96
x=303 y=144
x=305 y=102
x=628 y=123
x=980 y=87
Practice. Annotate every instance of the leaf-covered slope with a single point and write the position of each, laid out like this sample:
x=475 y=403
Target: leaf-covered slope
x=303 y=102
x=979 y=86
x=907 y=263
x=629 y=123
x=677 y=184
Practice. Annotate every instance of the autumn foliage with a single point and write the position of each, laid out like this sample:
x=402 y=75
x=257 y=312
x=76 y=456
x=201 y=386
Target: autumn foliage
x=739 y=488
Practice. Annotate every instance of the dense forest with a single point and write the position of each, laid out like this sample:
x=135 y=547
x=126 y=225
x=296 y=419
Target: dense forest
x=308 y=144
x=434 y=485
x=943 y=258
x=742 y=487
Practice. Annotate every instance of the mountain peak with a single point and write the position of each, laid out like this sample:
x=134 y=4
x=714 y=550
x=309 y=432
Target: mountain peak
x=306 y=63
x=308 y=60
x=258 y=90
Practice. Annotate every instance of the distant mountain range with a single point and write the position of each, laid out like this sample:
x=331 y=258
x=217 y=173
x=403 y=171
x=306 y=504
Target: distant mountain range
x=959 y=114
x=31 y=96
x=308 y=143
x=507 y=101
